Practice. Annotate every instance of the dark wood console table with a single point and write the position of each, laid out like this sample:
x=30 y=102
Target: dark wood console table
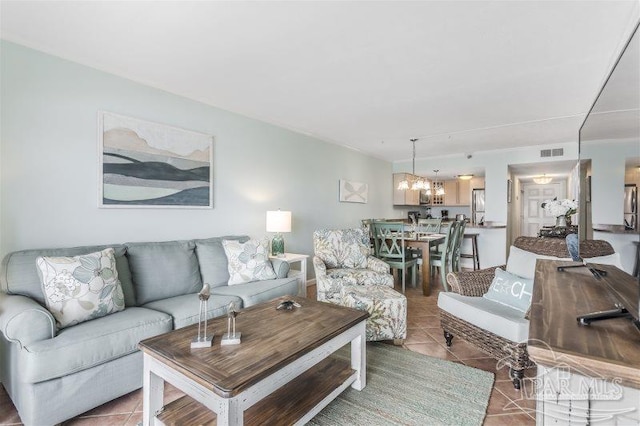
x=585 y=373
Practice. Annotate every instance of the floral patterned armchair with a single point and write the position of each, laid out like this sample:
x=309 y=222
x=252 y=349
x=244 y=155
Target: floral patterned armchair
x=343 y=258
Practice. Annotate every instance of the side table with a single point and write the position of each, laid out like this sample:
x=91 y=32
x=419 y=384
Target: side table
x=300 y=273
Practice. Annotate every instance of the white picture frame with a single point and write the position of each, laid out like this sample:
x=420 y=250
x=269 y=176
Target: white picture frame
x=143 y=164
x=353 y=192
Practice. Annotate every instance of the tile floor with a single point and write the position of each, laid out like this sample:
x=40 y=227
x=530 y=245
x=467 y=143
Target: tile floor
x=506 y=405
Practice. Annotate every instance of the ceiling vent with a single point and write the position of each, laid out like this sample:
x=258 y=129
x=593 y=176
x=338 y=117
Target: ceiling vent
x=556 y=152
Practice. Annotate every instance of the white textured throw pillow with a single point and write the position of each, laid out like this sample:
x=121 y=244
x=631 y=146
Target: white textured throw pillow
x=510 y=290
x=248 y=261
x=523 y=263
x=81 y=288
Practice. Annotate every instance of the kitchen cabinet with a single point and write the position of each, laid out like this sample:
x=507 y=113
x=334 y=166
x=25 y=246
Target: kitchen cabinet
x=464 y=192
x=456 y=193
x=450 y=193
x=402 y=197
x=477 y=183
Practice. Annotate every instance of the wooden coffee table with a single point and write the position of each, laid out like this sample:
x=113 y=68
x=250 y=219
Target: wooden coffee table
x=281 y=373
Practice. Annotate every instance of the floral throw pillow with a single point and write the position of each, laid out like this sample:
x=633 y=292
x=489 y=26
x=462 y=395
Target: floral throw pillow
x=248 y=261
x=81 y=288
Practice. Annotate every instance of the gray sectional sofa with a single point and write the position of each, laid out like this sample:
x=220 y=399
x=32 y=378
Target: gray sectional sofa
x=53 y=375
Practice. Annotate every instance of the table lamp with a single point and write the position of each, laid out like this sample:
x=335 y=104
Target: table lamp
x=278 y=221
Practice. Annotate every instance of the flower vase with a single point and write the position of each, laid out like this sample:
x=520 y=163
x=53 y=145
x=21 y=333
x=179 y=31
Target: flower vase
x=561 y=222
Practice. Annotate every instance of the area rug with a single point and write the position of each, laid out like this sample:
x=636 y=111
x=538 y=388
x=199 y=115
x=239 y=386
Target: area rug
x=408 y=388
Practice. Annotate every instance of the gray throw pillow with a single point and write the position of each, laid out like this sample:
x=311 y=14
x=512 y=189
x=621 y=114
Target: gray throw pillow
x=510 y=290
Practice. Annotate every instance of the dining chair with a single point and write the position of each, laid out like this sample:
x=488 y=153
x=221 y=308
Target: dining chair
x=425 y=227
x=390 y=247
x=457 y=244
x=442 y=259
x=428 y=226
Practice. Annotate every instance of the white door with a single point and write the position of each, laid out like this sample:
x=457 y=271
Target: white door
x=534 y=216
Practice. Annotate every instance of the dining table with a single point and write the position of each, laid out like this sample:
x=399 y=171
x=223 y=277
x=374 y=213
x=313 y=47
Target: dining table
x=424 y=242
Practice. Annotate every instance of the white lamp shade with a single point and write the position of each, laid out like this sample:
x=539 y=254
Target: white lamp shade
x=278 y=221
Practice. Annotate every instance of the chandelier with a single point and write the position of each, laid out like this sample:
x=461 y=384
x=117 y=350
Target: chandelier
x=542 y=180
x=418 y=183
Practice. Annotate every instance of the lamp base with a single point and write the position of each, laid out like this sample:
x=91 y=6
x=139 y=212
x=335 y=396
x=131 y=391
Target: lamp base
x=277 y=245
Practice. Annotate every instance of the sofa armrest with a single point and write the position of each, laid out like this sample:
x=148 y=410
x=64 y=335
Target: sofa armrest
x=472 y=283
x=24 y=321
x=378 y=265
x=319 y=266
x=281 y=267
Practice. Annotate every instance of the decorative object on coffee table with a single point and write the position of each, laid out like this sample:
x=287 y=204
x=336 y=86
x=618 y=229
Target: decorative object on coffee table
x=231 y=337
x=278 y=221
x=202 y=341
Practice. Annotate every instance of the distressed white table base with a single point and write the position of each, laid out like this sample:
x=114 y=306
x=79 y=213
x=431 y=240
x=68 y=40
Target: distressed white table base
x=230 y=411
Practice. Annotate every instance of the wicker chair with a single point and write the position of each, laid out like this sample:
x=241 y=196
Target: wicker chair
x=476 y=283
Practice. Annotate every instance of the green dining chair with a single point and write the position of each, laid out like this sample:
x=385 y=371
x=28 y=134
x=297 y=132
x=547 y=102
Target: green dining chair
x=442 y=259
x=390 y=247
x=428 y=226
x=457 y=244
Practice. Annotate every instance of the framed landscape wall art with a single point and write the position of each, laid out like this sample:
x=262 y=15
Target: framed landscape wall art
x=147 y=165
x=353 y=192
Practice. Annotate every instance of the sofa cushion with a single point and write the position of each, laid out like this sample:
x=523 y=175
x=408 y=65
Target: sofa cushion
x=510 y=290
x=492 y=316
x=19 y=272
x=213 y=260
x=91 y=343
x=185 y=309
x=164 y=269
x=259 y=291
x=523 y=263
x=248 y=261
x=81 y=288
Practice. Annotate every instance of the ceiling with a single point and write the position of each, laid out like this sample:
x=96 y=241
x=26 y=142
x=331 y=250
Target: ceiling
x=460 y=76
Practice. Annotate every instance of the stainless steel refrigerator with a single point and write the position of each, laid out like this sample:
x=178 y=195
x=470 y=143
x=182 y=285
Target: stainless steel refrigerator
x=477 y=206
x=631 y=206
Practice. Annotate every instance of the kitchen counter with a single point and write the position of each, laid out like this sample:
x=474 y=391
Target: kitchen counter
x=615 y=229
x=486 y=226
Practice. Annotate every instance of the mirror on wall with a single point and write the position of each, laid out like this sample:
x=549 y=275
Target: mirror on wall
x=610 y=151
x=609 y=178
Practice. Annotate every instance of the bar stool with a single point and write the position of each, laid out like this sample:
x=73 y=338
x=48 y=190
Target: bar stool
x=474 y=250
x=636 y=268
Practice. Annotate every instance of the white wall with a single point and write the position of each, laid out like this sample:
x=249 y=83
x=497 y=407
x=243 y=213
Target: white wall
x=49 y=164
x=608 y=177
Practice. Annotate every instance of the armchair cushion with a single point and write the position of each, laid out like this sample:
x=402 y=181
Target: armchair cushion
x=378 y=265
x=342 y=248
x=523 y=263
x=486 y=314
x=360 y=276
x=612 y=259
